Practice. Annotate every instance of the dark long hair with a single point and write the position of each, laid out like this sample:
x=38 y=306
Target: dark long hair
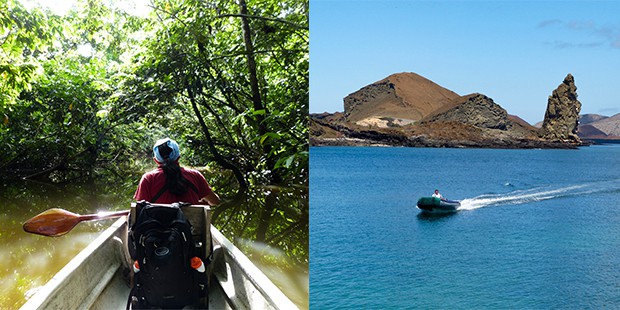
x=176 y=183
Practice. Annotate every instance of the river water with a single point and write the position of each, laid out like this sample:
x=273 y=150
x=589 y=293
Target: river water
x=538 y=229
x=29 y=261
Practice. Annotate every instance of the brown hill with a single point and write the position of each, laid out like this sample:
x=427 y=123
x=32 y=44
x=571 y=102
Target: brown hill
x=609 y=125
x=584 y=119
x=402 y=95
x=588 y=131
x=521 y=122
x=590 y=118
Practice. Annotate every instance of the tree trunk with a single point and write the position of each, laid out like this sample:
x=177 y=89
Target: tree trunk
x=218 y=157
x=275 y=178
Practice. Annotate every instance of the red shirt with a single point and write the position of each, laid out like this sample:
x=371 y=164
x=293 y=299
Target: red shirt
x=153 y=181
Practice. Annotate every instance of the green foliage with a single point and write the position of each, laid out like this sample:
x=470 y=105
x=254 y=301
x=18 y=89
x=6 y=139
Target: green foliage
x=50 y=123
x=85 y=95
x=195 y=68
x=231 y=83
x=24 y=37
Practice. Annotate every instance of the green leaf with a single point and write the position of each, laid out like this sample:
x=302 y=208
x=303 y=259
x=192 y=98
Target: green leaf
x=272 y=135
x=102 y=113
x=259 y=112
x=289 y=161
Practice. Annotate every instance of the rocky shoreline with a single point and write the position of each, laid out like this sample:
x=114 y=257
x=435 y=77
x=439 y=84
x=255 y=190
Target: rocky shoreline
x=408 y=110
x=422 y=142
x=351 y=137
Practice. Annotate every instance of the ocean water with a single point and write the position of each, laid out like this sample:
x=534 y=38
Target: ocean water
x=538 y=229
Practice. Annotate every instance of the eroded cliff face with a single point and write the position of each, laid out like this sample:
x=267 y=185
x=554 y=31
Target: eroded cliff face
x=562 y=115
x=403 y=95
x=371 y=100
x=477 y=110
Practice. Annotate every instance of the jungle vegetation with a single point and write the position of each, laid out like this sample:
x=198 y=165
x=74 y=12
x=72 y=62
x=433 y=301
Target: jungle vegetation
x=84 y=95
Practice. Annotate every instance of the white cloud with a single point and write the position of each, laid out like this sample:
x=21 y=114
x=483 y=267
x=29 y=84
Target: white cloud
x=606 y=34
x=549 y=22
x=563 y=44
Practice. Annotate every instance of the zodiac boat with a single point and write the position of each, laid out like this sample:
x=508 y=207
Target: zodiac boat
x=436 y=205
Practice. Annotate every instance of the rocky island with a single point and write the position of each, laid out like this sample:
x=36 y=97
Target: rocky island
x=406 y=109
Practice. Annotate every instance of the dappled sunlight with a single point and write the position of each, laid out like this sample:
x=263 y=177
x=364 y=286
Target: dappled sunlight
x=260 y=248
x=32 y=260
x=283 y=255
x=279 y=268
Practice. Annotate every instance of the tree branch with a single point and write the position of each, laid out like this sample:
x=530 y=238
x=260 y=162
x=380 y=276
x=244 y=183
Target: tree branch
x=245 y=15
x=61 y=165
x=218 y=157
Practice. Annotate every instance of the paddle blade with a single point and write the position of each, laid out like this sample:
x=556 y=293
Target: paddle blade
x=53 y=222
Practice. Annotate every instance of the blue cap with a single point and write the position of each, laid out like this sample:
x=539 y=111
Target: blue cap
x=174 y=154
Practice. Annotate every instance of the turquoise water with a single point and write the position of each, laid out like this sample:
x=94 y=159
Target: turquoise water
x=538 y=229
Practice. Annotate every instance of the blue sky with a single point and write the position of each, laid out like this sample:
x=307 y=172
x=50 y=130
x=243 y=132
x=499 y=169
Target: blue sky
x=516 y=52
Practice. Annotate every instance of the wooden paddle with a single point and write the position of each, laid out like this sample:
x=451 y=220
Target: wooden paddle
x=57 y=222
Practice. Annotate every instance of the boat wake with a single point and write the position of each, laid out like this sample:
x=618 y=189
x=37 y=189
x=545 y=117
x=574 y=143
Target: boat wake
x=537 y=194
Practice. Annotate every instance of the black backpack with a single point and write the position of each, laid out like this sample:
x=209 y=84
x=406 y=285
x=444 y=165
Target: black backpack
x=160 y=241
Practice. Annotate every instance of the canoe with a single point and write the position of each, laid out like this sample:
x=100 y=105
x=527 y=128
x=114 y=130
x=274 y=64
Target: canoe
x=436 y=205
x=98 y=277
